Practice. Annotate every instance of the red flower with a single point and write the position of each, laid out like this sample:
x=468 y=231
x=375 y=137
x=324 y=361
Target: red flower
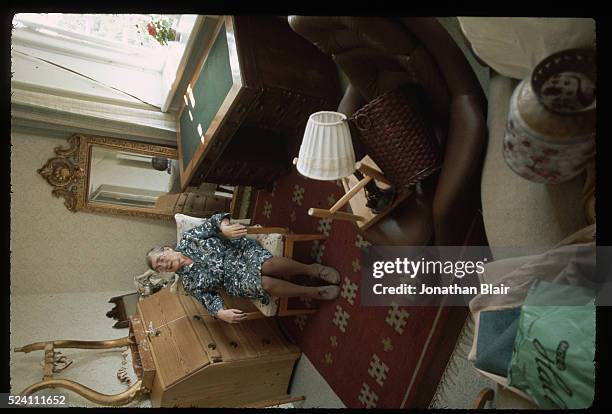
x=152 y=30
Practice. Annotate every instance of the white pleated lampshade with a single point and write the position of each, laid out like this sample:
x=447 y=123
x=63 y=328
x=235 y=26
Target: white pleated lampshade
x=327 y=151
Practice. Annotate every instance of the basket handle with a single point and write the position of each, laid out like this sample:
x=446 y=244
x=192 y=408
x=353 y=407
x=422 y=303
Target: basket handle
x=362 y=122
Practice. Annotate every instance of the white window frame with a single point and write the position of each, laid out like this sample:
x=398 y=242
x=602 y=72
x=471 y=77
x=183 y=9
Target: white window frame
x=93 y=48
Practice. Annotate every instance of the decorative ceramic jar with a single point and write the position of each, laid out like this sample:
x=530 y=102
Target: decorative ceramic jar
x=550 y=133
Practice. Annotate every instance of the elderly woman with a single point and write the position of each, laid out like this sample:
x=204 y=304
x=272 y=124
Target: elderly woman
x=215 y=255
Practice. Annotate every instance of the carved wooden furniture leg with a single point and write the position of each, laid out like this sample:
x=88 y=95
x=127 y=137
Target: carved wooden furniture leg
x=111 y=343
x=94 y=396
x=485 y=394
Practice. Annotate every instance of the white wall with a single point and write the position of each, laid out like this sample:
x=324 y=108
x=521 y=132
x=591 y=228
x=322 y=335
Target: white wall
x=54 y=250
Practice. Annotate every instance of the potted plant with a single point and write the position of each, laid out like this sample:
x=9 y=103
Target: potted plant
x=161 y=30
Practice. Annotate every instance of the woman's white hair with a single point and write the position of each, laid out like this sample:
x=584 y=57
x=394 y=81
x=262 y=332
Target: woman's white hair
x=154 y=251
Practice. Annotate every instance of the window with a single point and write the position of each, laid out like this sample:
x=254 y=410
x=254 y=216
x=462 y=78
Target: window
x=109 y=39
x=126 y=196
x=125 y=29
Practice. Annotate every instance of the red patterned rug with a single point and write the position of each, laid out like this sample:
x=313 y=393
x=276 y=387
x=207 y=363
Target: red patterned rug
x=383 y=357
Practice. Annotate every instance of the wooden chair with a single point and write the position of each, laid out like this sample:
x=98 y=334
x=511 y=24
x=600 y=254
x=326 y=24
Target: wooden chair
x=280 y=242
x=355 y=196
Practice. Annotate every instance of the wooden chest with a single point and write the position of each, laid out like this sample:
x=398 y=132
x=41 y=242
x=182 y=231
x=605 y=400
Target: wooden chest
x=191 y=359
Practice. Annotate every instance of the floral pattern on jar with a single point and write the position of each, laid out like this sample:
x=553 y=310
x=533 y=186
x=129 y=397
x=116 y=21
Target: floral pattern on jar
x=541 y=158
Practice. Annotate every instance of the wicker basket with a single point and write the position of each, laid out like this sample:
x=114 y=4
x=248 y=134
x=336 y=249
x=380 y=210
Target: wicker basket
x=398 y=136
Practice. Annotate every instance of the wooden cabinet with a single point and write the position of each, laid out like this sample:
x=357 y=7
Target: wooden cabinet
x=244 y=112
x=193 y=204
x=201 y=361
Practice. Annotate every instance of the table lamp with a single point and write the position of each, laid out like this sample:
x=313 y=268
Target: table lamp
x=327 y=150
x=327 y=153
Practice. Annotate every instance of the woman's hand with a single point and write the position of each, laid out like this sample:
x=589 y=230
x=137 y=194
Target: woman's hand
x=232 y=231
x=231 y=315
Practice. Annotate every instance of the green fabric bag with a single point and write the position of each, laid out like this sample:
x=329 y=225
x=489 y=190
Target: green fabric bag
x=554 y=351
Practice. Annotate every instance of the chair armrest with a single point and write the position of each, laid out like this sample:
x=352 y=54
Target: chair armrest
x=304 y=237
x=454 y=66
x=458 y=190
x=267 y=230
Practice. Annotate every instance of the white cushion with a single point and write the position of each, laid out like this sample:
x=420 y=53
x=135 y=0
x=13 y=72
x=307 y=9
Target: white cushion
x=268 y=310
x=513 y=46
x=272 y=242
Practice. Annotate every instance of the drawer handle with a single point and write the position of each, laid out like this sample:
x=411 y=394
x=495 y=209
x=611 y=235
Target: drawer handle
x=212 y=346
x=233 y=344
x=265 y=341
x=197 y=317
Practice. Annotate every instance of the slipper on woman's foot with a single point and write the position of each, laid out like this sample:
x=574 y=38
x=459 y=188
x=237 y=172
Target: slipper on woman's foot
x=328 y=274
x=330 y=292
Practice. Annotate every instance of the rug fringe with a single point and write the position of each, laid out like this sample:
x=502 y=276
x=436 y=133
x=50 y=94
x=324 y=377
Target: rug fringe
x=438 y=400
x=461 y=350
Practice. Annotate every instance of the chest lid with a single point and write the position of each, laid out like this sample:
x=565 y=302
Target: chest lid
x=176 y=347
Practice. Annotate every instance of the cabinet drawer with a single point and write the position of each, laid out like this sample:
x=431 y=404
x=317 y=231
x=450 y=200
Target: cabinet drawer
x=266 y=338
x=231 y=340
x=200 y=320
x=223 y=341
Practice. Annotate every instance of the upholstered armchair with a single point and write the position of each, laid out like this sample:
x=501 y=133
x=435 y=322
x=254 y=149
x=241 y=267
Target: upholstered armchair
x=380 y=54
x=277 y=240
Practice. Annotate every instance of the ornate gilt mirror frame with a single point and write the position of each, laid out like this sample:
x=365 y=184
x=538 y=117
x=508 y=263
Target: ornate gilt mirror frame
x=69 y=174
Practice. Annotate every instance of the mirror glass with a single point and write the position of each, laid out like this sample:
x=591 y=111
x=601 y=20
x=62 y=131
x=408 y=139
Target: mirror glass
x=130 y=179
x=137 y=179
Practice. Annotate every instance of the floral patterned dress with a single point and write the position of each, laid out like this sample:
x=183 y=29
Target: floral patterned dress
x=219 y=263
